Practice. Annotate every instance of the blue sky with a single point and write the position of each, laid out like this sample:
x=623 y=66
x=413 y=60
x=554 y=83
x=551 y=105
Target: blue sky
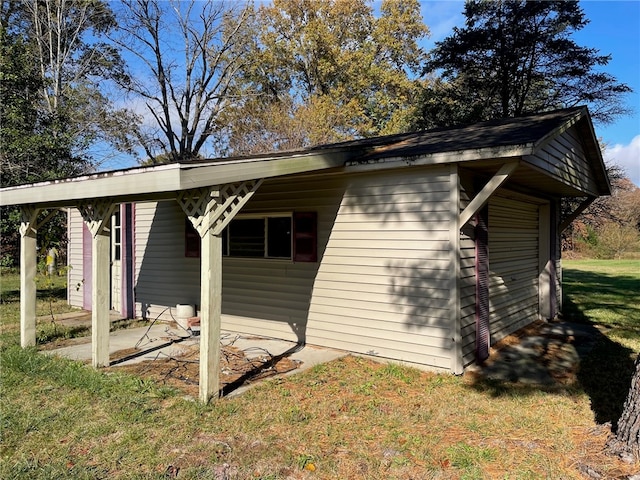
x=614 y=28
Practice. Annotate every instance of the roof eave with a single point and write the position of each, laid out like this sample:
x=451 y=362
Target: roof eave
x=69 y=191
x=582 y=119
x=162 y=181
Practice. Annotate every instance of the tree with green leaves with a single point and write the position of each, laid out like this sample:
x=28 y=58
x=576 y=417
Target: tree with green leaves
x=53 y=109
x=327 y=70
x=515 y=57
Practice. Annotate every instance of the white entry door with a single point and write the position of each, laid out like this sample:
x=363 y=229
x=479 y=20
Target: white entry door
x=116 y=261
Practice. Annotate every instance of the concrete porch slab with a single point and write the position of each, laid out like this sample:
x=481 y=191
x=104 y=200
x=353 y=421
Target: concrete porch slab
x=162 y=340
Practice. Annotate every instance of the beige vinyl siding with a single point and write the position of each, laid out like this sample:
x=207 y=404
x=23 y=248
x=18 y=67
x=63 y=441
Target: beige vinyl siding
x=260 y=296
x=163 y=276
x=557 y=240
x=513 y=264
x=564 y=158
x=75 y=273
x=268 y=296
x=382 y=286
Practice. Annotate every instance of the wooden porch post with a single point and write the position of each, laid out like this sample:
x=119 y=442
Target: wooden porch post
x=28 y=269
x=210 y=210
x=97 y=216
x=210 y=315
x=100 y=276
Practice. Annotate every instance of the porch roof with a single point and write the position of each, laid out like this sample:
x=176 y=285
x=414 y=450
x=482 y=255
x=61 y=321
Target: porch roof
x=482 y=147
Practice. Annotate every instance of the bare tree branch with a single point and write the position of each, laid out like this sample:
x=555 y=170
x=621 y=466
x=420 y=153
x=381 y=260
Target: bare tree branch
x=189 y=51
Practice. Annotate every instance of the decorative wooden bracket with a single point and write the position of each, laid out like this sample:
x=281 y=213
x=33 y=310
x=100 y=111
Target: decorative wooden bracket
x=29 y=223
x=97 y=214
x=30 y=219
x=483 y=196
x=211 y=209
x=575 y=214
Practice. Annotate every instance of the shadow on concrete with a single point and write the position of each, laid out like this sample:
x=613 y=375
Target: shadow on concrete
x=255 y=372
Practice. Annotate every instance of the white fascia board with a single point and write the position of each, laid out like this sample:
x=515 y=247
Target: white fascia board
x=195 y=176
x=147 y=182
x=122 y=183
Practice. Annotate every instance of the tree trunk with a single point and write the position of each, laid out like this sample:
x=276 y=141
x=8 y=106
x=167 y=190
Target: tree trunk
x=627 y=440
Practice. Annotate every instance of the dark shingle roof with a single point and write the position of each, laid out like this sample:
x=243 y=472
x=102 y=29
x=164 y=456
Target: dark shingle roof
x=526 y=130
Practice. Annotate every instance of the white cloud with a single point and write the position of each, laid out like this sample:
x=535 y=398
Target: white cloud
x=626 y=156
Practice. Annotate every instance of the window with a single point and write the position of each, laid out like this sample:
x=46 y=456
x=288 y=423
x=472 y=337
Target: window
x=267 y=237
x=283 y=236
x=245 y=237
x=116 y=233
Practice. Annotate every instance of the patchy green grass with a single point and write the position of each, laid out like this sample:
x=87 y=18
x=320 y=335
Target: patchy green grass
x=51 y=300
x=606 y=293
x=351 y=418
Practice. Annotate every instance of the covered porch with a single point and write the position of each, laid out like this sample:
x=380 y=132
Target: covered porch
x=209 y=193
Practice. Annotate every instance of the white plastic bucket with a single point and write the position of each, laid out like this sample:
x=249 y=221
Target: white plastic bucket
x=183 y=313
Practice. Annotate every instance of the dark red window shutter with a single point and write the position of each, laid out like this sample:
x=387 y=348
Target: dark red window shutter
x=482 y=285
x=305 y=237
x=191 y=240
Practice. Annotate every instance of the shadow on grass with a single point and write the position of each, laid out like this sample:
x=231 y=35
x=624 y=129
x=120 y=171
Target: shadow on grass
x=617 y=294
x=58 y=293
x=52 y=332
x=605 y=372
x=602 y=368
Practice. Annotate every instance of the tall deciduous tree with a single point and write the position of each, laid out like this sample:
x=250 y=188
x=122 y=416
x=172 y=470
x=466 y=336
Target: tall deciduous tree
x=187 y=54
x=515 y=57
x=32 y=147
x=53 y=111
x=76 y=64
x=327 y=70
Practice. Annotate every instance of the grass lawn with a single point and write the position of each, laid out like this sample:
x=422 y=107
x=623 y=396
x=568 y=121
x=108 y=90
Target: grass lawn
x=351 y=418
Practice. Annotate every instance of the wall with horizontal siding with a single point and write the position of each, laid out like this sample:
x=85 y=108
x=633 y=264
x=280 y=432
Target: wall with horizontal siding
x=564 y=159
x=260 y=296
x=513 y=264
x=163 y=277
x=269 y=296
x=557 y=240
x=382 y=287
x=75 y=273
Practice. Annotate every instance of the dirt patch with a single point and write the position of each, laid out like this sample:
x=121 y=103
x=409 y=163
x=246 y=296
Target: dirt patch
x=182 y=370
x=542 y=353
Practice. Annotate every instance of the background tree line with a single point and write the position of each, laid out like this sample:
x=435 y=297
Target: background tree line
x=178 y=80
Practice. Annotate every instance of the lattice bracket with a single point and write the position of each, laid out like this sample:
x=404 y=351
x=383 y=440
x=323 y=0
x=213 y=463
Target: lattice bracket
x=211 y=209
x=97 y=214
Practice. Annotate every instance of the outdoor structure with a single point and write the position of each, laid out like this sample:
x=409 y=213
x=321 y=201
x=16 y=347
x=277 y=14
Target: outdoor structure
x=423 y=248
